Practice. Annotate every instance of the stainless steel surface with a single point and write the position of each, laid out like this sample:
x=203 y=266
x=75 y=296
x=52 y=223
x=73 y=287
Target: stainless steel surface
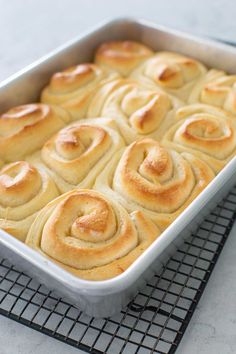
x=104 y=298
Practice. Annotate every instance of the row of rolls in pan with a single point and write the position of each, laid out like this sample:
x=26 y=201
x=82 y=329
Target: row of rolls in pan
x=114 y=152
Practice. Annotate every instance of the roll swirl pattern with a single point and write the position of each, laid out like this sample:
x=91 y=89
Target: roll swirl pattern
x=122 y=56
x=77 y=153
x=24 y=190
x=205 y=131
x=90 y=235
x=172 y=72
x=74 y=87
x=114 y=152
x=158 y=181
x=24 y=129
x=139 y=112
x=219 y=91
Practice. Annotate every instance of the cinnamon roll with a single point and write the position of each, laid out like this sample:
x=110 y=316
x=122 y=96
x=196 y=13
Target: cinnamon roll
x=172 y=72
x=77 y=153
x=122 y=56
x=205 y=131
x=24 y=190
x=74 y=87
x=155 y=180
x=90 y=235
x=139 y=112
x=24 y=129
x=220 y=92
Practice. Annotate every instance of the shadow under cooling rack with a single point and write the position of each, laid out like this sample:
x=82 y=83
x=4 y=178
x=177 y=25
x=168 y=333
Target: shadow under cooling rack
x=156 y=319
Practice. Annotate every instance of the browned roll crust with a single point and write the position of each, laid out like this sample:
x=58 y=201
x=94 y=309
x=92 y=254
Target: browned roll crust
x=122 y=56
x=24 y=129
x=172 y=72
x=139 y=112
x=74 y=87
x=205 y=131
x=90 y=235
x=158 y=181
x=76 y=154
x=24 y=190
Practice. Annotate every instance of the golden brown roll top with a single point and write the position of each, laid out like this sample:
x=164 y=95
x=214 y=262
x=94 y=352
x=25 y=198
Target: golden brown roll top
x=90 y=235
x=158 y=181
x=122 y=56
x=77 y=153
x=74 y=87
x=24 y=129
x=172 y=72
x=218 y=91
x=206 y=131
x=139 y=112
x=24 y=190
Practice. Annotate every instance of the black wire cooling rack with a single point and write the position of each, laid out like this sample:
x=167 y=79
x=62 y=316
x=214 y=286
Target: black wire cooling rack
x=156 y=319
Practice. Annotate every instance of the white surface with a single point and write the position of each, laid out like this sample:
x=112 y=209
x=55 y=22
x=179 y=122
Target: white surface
x=29 y=29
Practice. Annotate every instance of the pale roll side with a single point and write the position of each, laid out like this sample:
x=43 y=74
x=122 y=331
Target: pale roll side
x=24 y=190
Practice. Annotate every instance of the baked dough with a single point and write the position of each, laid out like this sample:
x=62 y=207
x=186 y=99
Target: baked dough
x=132 y=192
x=218 y=91
x=122 y=56
x=78 y=153
x=157 y=181
x=24 y=129
x=24 y=190
x=74 y=87
x=172 y=72
x=91 y=235
x=139 y=112
x=205 y=131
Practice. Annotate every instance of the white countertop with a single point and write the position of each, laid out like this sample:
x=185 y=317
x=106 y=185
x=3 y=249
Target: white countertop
x=28 y=30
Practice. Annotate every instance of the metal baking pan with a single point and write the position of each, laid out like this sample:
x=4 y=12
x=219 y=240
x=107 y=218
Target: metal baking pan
x=104 y=298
